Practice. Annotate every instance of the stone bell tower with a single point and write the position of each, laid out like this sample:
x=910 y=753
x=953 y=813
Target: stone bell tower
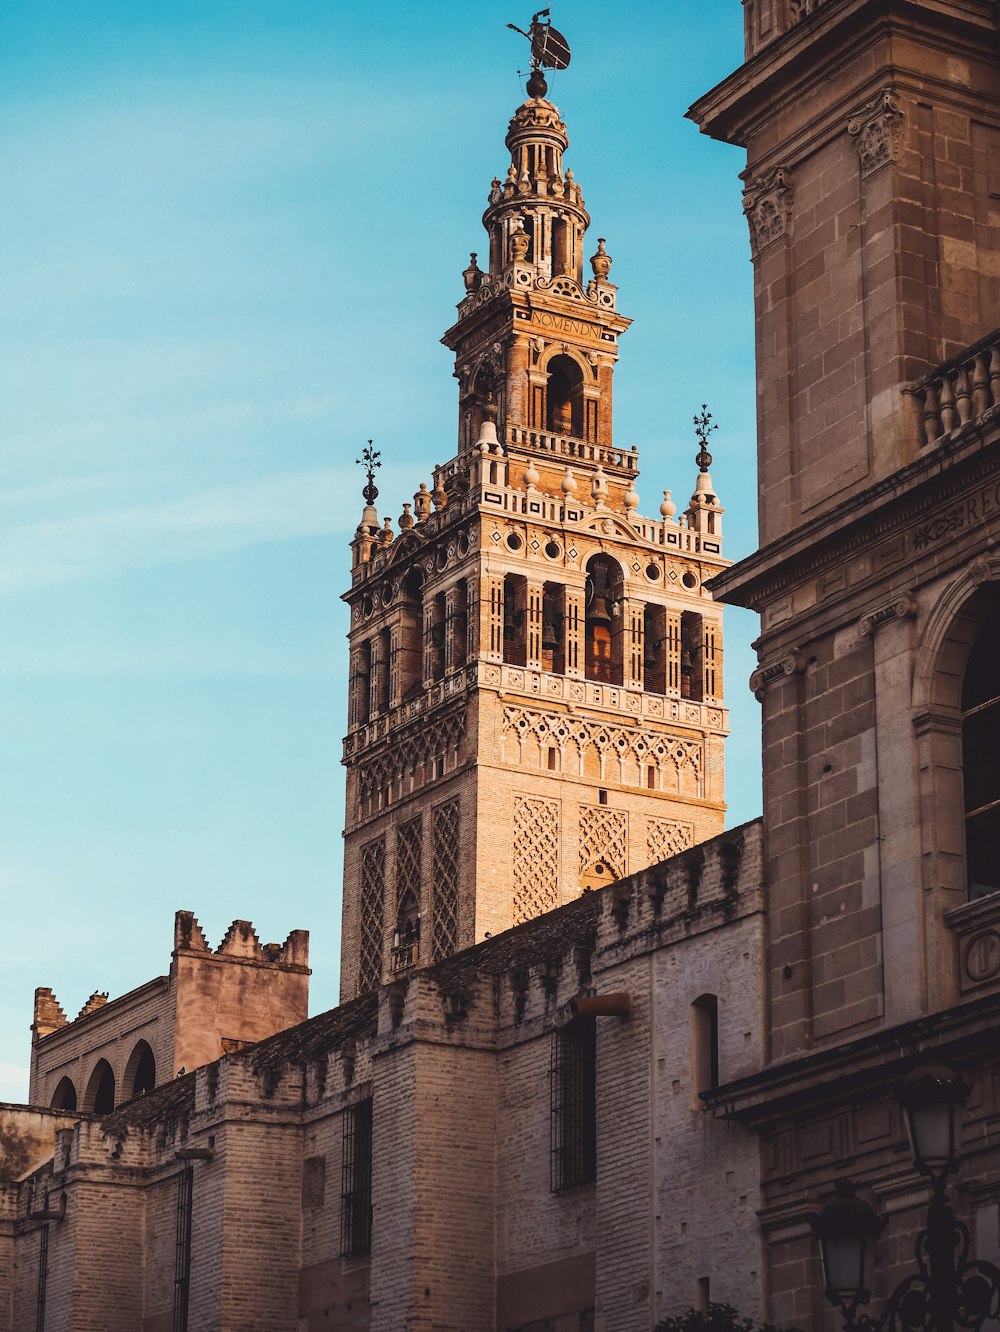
x=536 y=670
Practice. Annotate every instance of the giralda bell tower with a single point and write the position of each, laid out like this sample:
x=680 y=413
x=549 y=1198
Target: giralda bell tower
x=535 y=670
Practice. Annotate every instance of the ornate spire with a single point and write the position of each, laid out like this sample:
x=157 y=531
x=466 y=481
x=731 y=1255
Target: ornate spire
x=370 y=460
x=703 y=427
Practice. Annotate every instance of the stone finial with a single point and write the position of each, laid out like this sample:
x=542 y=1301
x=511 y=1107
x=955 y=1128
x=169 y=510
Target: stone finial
x=668 y=508
x=473 y=275
x=439 y=496
x=631 y=498
x=405 y=519
x=520 y=243
x=599 y=488
x=568 y=484
x=422 y=503
x=600 y=261
x=530 y=476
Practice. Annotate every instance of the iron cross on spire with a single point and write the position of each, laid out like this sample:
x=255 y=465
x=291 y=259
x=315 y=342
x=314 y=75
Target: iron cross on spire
x=369 y=460
x=703 y=427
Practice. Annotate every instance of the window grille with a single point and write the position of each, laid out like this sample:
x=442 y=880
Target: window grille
x=43 y=1277
x=182 y=1254
x=573 y=1105
x=356 y=1194
x=446 y=838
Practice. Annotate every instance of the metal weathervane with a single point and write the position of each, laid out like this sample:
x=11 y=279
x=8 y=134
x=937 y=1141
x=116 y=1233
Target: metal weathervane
x=549 y=48
x=369 y=460
x=703 y=427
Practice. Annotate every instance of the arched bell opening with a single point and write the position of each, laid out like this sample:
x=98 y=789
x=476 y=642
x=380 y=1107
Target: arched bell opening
x=562 y=248
x=99 y=1097
x=515 y=601
x=360 y=690
x=554 y=628
x=564 y=397
x=409 y=657
x=458 y=624
x=604 y=629
x=654 y=649
x=436 y=628
x=64 y=1096
x=692 y=656
x=483 y=402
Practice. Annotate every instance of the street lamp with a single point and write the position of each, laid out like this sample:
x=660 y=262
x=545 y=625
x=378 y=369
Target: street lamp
x=948 y=1289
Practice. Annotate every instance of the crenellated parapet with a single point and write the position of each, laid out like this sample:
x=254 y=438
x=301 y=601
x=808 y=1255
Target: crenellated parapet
x=240 y=943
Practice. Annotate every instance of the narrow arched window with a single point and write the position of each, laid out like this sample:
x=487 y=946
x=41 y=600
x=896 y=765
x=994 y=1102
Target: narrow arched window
x=515 y=599
x=981 y=760
x=64 y=1097
x=100 y=1094
x=704 y=1046
x=140 y=1071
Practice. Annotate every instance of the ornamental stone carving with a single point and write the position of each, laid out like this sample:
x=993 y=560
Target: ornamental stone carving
x=793 y=663
x=877 y=130
x=767 y=203
x=903 y=607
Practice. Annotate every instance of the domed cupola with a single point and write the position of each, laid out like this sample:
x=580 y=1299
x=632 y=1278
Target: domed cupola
x=537 y=202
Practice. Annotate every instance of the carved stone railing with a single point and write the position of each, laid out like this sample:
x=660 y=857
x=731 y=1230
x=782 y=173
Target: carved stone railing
x=961 y=390
x=567 y=446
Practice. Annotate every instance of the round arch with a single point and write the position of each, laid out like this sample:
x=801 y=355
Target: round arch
x=64 y=1096
x=952 y=625
x=99 y=1098
x=564 y=410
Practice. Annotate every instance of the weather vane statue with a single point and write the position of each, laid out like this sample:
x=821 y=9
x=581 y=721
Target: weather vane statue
x=369 y=460
x=549 y=50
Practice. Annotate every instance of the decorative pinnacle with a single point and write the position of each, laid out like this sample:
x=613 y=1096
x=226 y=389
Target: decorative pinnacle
x=703 y=427
x=369 y=460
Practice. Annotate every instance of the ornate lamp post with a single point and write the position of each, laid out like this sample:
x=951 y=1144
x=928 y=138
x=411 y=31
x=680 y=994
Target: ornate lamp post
x=948 y=1290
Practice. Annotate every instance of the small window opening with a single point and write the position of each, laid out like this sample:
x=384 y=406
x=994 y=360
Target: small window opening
x=651 y=777
x=553 y=759
x=515 y=593
x=100 y=1097
x=704 y=1046
x=602 y=796
x=553 y=628
x=143 y=1066
x=573 y=1105
x=654 y=654
x=406 y=940
x=407 y=669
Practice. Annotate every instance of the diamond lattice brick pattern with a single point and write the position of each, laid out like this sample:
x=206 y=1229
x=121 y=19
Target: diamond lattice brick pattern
x=408 y=860
x=603 y=838
x=446 y=833
x=665 y=838
x=535 y=857
x=372 y=908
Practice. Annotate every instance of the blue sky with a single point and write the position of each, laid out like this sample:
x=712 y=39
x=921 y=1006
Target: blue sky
x=233 y=235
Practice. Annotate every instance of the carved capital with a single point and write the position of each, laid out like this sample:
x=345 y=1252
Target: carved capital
x=767 y=202
x=903 y=607
x=877 y=130
x=793 y=663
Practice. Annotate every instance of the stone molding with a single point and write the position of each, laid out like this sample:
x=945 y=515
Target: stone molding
x=877 y=130
x=792 y=663
x=767 y=203
x=902 y=607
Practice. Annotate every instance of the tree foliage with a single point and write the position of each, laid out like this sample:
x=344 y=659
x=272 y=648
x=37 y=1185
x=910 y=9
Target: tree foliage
x=716 y=1318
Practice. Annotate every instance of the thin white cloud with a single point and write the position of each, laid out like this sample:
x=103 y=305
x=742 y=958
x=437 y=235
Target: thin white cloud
x=13 y=1083
x=212 y=523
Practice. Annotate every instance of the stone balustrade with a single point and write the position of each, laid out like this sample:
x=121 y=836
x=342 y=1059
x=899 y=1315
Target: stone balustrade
x=579 y=450
x=529 y=681
x=961 y=390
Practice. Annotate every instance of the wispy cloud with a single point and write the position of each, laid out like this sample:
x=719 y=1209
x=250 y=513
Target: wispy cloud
x=210 y=523
x=13 y=1083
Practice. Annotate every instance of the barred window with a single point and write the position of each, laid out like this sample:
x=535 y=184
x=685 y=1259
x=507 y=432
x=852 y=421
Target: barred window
x=356 y=1194
x=43 y=1277
x=182 y=1250
x=573 y=1105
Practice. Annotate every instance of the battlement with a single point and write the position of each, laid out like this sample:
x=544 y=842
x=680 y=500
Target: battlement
x=49 y=1015
x=240 y=944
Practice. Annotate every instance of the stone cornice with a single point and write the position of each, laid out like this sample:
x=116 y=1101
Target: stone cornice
x=947 y=475
x=961 y=1036
x=777 y=72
